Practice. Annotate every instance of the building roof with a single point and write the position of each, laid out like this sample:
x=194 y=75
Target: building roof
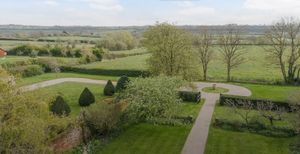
x=2 y=52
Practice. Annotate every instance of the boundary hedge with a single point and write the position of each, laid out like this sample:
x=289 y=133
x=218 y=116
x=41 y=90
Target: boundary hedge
x=130 y=73
x=190 y=96
x=254 y=101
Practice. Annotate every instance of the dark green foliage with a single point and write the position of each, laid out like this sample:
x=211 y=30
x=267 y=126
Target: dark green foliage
x=295 y=147
x=238 y=99
x=98 y=52
x=122 y=82
x=109 y=89
x=255 y=127
x=23 y=50
x=190 y=96
x=130 y=73
x=86 y=98
x=60 y=107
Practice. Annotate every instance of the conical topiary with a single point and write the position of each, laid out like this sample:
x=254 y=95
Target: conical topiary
x=109 y=89
x=60 y=107
x=122 y=82
x=86 y=98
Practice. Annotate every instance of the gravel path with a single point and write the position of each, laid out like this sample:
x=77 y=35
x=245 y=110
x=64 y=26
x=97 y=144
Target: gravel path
x=196 y=141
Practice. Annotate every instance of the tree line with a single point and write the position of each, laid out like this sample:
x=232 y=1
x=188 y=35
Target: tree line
x=176 y=52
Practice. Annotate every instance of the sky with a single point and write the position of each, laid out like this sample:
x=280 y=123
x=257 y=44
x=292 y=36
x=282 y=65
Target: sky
x=145 y=12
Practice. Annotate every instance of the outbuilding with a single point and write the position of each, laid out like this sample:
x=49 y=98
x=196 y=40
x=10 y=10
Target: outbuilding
x=3 y=53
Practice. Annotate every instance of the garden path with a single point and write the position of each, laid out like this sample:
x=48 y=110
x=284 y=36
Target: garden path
x=196 y=141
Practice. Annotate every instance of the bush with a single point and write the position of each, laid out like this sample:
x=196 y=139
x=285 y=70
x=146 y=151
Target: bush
x=102 y=117
x=255 y=127
x=32 y=70
x=238 y=99
x=109 y=89
x=60 y=107
x=122 y=82
x=190 y=96
x=86 y=98
x=49 y=65
x=151 y=98
x=98 y=52
x=23 y=50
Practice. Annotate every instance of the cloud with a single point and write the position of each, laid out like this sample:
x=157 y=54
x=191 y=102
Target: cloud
x=51 y=2
x=279 y=5
x=196 y=10
x=107 y=5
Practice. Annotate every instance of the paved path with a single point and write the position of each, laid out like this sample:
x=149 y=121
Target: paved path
x=61 y=80
x=196 y=141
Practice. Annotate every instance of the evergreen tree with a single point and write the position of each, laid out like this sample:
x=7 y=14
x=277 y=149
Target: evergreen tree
x=86 y=98
x=60 y=107
x=122 y=82
x=109 y=89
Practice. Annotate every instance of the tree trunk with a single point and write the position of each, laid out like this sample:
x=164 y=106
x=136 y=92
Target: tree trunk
x=228 y=73
x=204 y=73
x=271 y=121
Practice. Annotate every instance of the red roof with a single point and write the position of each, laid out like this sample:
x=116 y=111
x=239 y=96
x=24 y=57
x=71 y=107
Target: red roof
x=2 y=52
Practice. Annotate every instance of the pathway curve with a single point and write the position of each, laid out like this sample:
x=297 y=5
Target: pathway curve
x=196 y=141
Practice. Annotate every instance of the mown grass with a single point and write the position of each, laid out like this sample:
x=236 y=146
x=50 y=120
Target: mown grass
x=149 y=138
x=227 y=141
x=273 y=92
x=223 y=141
x=70 y=92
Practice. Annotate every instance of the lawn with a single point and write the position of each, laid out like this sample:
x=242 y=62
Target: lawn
x=51 y=76
x=273 y=92
x=149 y=138
x=70 y=92
x=229 y=142
x=225 y=141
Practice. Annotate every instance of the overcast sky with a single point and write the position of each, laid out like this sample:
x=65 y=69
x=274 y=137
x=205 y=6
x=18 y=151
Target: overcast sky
x=145 y=12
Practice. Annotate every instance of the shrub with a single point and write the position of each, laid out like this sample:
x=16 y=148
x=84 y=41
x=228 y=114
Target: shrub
x=102 y=117
x=60 y=107
x=32 y=70
x=98 y=52
x=23 y=50
x=49 y=65
x=151 y=98
x=86 y=98
x=109 y=89
x=122 y=82
x=190 y=96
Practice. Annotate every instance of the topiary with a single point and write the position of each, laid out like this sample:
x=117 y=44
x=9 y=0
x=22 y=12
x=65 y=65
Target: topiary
x=60 y=107
x=122 y=82
x=109 y=89
x=86 y=98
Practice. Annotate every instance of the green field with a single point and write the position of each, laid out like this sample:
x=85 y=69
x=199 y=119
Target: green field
x=13 y=59
x=70 y=92
x=127 y=63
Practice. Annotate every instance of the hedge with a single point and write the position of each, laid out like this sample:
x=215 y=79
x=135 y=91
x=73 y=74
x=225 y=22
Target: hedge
x=190 y=96
x=130 y=73
x=237 y=99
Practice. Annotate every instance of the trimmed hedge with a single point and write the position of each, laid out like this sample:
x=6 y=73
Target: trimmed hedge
x=130 y=73
x=86 y=98
x=109 y=89
x=255 y=127
x=237 y=99
x=190 y=96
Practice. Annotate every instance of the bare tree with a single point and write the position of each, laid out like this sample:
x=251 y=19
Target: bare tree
x=203 y=45
x=231 y=49
x=285 y=50
x=243 y=108
x=270 y=111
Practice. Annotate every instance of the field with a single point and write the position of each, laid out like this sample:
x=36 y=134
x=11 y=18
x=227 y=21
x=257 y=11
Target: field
x=12 y=59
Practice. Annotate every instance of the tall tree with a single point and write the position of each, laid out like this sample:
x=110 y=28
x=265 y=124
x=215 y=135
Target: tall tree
x=285 y=48
x=170 y=48
x=231 y=49
x=203 y=45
